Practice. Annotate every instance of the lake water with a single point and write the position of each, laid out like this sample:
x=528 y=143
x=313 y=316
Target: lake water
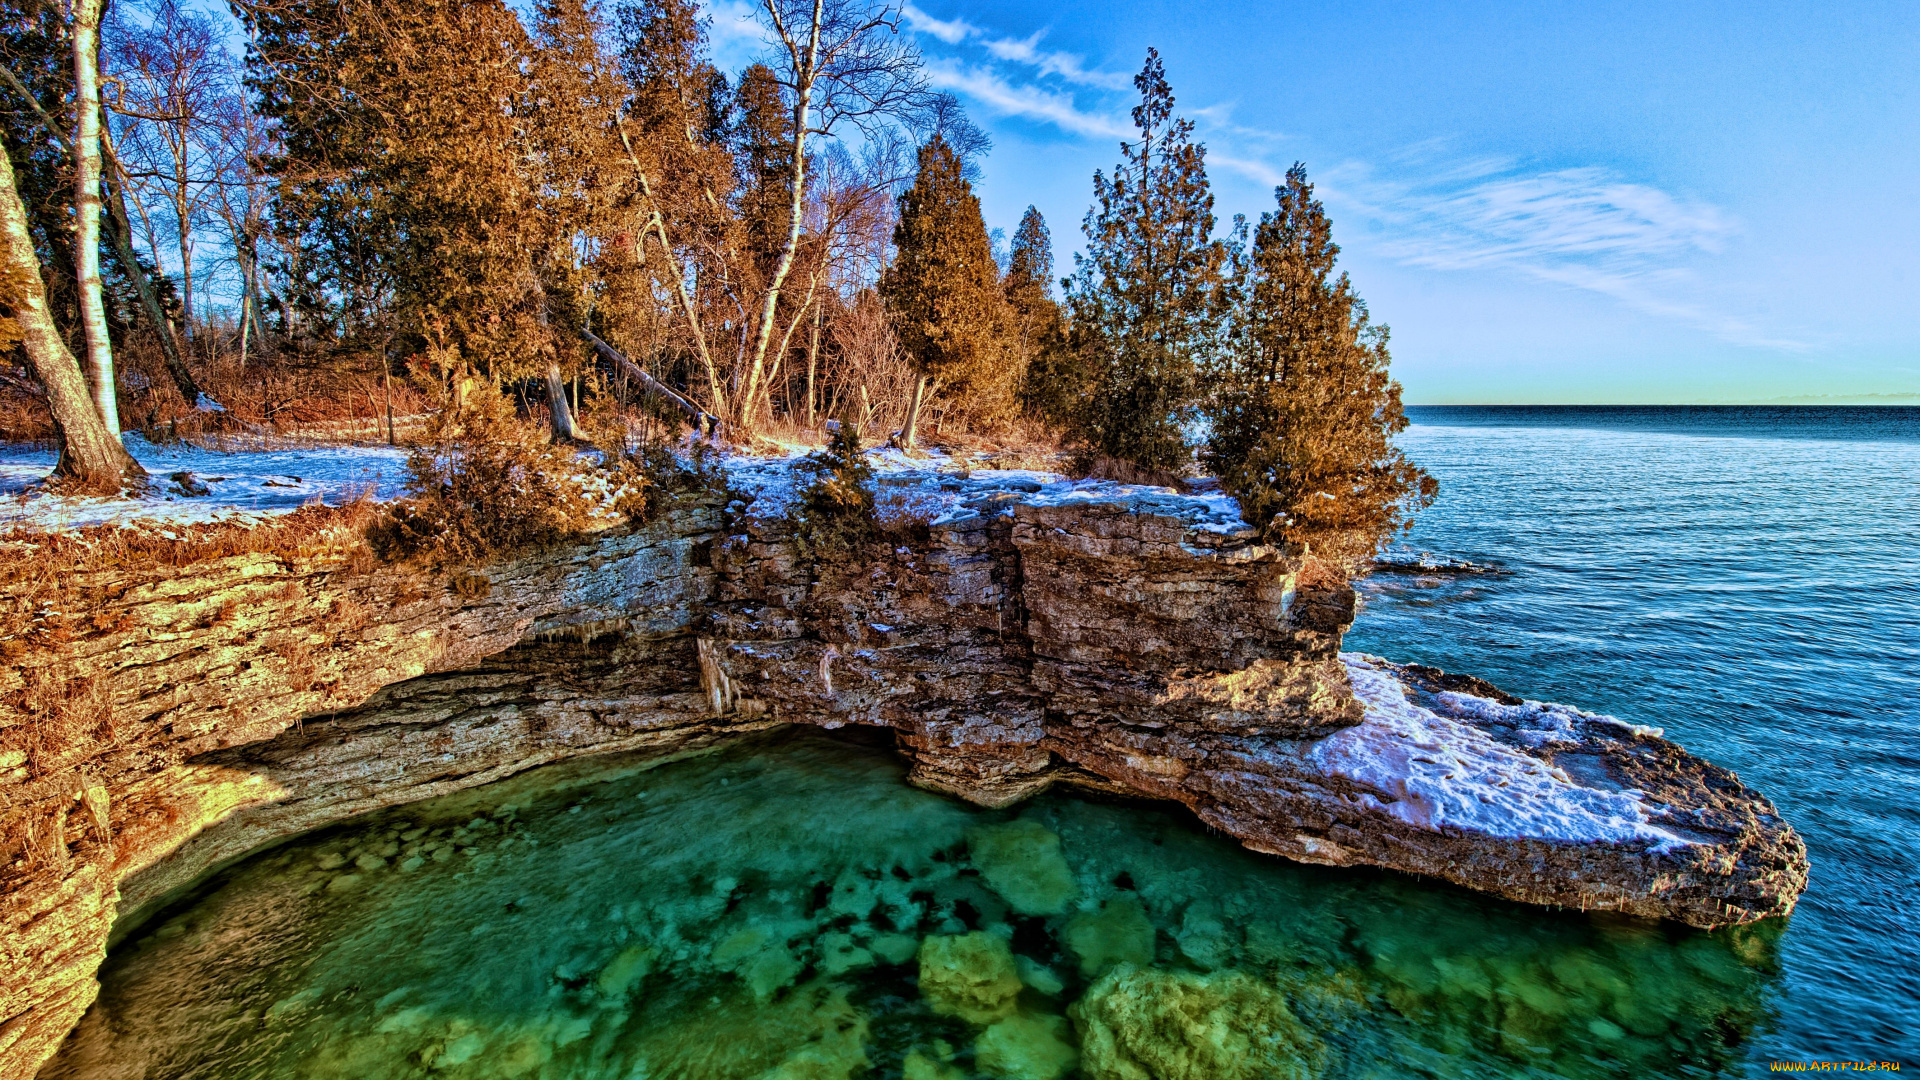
x=1748 y=579
x=789 y=909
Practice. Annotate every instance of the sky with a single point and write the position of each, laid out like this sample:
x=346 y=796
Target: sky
x=1548 y=203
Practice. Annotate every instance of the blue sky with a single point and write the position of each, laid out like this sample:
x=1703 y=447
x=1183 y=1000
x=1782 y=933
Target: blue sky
x=1547 y=202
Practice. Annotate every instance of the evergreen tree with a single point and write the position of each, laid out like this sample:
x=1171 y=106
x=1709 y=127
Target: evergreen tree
x=1304 y=412
x=404 y=171
x=1050 y=376
x=1146 y=295
x=762 y=138
x=942 y=291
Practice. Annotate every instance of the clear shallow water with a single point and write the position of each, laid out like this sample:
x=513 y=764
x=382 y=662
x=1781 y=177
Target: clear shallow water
x=1748 y=579
x=791 y=909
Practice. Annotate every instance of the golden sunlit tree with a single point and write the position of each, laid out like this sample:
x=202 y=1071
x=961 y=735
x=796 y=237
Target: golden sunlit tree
x=1304 y=412
x=943 y=293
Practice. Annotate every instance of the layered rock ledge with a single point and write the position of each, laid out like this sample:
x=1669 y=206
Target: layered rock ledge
x=1014 y=630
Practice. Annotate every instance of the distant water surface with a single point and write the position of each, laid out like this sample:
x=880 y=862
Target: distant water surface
x=1748 y=579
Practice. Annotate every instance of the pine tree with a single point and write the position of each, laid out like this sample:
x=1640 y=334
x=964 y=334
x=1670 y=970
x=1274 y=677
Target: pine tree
x=762 y=136
x=1304 y=411
x=1050 y=377
x=572 y=116
x=404 y=171
x=1146 y=295
x=942 y=291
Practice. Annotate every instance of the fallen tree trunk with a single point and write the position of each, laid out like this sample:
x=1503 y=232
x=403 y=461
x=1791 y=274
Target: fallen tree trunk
x=703 y=422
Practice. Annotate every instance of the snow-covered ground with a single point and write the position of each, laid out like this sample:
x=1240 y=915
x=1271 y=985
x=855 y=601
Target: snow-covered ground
x=1436 y=770
x=240 y=485
x=944 y=488
x=250 y=485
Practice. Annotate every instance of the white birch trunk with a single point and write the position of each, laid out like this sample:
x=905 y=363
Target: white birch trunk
x=87 y=206
x=90 y=455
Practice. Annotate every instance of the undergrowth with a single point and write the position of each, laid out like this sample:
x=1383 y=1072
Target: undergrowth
x=482 y=484
x=835 y=514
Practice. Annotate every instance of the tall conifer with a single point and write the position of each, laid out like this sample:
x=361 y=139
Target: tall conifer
x=942 y=291
x=1146 y=295
x=403 y=167
x=1050 y=377
x=1304 y=411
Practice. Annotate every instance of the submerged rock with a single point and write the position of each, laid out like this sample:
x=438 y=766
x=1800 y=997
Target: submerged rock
x=971 y=976
x=1022 y=861
x=1117 y=932
x=1026 y=1047
x=1160 y=1025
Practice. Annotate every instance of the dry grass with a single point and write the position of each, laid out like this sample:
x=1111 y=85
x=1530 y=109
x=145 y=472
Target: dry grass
x=1126 y=472
x=330 y=396
x=27 y=556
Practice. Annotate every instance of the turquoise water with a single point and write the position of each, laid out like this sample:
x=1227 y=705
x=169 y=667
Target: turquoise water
x=788 y=908
x=1748 y=579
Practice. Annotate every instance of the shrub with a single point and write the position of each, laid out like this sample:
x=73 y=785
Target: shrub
x=836 y=510
x=1304 y=411
x=482 y=484
x=646 y=476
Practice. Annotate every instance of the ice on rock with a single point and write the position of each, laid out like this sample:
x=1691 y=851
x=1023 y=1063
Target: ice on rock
x=935 y=488
x=1437 y=771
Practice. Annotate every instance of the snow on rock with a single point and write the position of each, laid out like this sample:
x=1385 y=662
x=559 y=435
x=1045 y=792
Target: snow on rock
x=193 y=485
x=1437 y=771
x=945 y=491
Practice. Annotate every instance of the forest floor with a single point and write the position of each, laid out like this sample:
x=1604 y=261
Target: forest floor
x=194 y=484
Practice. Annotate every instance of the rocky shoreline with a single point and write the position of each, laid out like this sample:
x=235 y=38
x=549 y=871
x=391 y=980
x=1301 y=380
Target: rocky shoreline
x=1015 y=631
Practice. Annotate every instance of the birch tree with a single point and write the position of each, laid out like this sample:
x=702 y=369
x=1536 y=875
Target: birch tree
x=87 y=207
x=91 y=456
x=838 y=62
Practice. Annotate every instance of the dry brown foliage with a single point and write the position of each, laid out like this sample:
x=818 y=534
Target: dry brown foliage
x=483 y=484
x=1101 y=467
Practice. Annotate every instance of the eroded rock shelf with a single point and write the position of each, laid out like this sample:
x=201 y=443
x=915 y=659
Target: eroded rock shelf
x=1130 y=640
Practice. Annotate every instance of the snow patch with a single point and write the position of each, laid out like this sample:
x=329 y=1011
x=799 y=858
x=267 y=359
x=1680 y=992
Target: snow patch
x=942 y=489
x=245 y=486
x=1434 y=771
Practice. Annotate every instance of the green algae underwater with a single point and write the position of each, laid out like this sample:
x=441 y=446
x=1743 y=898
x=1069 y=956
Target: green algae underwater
x=788 y=908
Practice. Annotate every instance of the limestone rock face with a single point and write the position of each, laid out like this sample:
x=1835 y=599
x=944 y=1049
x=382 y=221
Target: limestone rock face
x=1125 y=640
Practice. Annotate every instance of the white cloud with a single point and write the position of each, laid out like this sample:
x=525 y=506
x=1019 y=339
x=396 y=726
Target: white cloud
x=736 y=35
x=1582 y=228
x=1257 y=171
x=1023 y=100
x=1068 y=66
x=952 y=31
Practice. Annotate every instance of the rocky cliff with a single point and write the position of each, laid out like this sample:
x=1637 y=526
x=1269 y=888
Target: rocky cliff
x=1014 y=631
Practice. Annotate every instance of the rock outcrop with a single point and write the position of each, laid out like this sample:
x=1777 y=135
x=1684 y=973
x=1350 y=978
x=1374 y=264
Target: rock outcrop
x=1014 y=634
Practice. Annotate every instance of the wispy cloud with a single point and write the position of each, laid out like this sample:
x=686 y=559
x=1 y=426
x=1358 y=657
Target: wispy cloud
x=1026 y=100
x=952 y=31
x=1582 y=228
x=1584 y=213
x=735 y=33
x=1427 y=206
x=1066 y=65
